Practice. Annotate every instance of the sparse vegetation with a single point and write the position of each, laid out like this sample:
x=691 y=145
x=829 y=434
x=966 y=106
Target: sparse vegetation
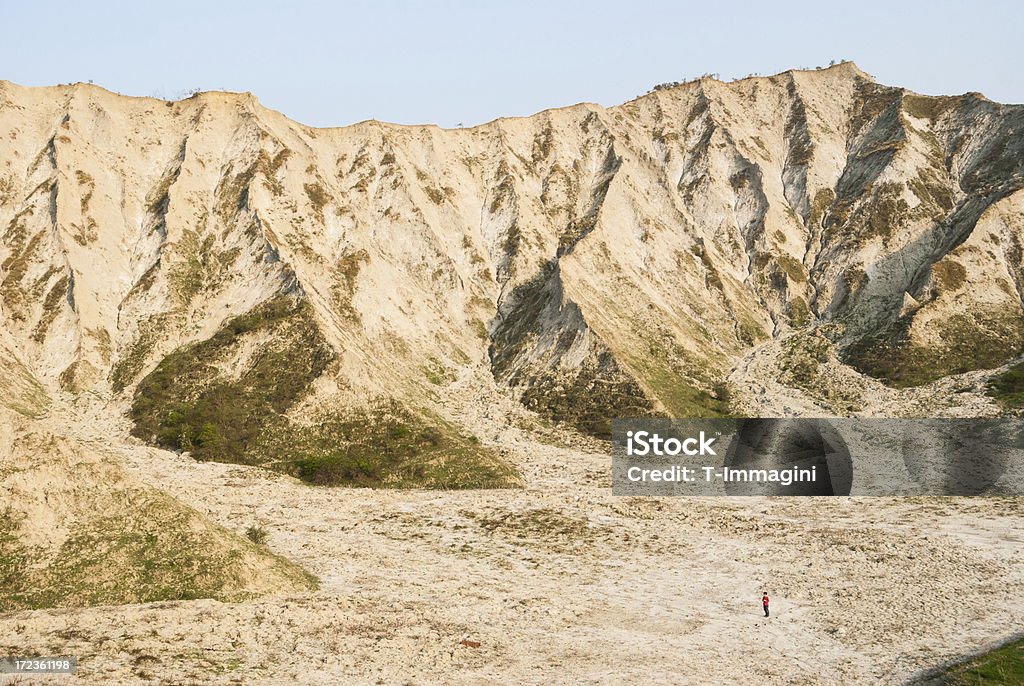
x=1008 y=387
x=437 y=372
x=879 y=216
x=712 y=278
x=504 y=190
x=318 y=199
x=185 y=405
x=270 y=165
x=802 y=356
x=19 y=390
x=981 y=340
x=439 y=195
x=22 y=250
x=7 y=188
x=344 y=287
x=127 y=368
x=196 y=265
x=675 y=84
x=388 y=446
x=87 y=231
x=538 y=528
x=934 y=191
x=158 y=199
x=151 y=551
x=590 y=398
x=543 y=143
x=51 y=308
x=574 y=232
x=257 y=534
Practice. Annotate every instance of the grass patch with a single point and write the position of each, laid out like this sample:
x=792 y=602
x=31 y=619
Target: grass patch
x=184 y=404
x=823 y=199
x=1001 y=667
x=152 y=550
x=977 y=341
x=671 y=374
x=949 y=275
x=1008 y=388
x=799 y=313
x=926 y=107
x=794 y=268
x=389 y=446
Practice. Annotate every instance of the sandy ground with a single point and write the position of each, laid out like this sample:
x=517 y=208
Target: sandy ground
x=559 y=582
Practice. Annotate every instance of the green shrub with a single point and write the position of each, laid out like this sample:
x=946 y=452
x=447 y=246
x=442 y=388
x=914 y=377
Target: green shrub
x=184 y=404
x=1008 y=387
x=257 y=534
x=187 y=404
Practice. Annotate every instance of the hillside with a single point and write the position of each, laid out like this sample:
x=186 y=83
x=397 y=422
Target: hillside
x=390 y=354
x=641 y=250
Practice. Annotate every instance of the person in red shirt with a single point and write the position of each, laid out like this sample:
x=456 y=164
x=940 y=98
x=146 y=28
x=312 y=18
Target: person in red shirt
x=764 y=602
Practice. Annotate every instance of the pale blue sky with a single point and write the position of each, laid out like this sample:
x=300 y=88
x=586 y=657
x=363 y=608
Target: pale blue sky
x=335 y=63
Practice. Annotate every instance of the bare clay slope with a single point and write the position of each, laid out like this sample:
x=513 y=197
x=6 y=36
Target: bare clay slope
x=639 y=250
x=358 y=305
x=76 y=528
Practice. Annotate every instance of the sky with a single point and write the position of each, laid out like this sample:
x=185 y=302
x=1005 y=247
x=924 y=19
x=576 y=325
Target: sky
x=455 y=62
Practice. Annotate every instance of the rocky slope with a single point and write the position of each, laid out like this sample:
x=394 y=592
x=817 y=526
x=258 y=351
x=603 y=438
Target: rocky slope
x=638 y=250
x=383 y=305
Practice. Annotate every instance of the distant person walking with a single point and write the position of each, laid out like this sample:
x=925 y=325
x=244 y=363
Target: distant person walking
x=764 y=601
